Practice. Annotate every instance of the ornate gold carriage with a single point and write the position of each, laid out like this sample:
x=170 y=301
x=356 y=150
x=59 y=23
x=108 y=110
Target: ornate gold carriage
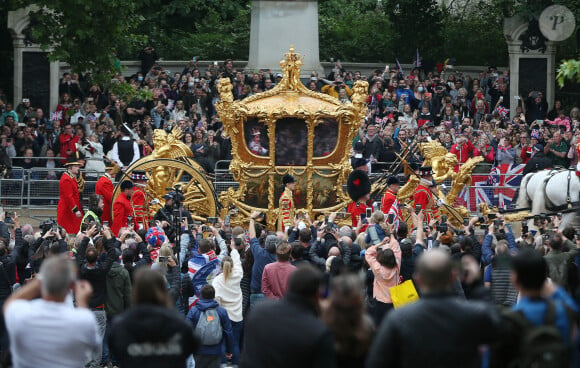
x=288 y=129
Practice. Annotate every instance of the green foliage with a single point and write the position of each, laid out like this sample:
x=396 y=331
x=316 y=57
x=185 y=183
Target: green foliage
x=416 y=24
x=569 y=71
x=209 y=29
x=476 y=38
x=354 y=30
x=83 y=33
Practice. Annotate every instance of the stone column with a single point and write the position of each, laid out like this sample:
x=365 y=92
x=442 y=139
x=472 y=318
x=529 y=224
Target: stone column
x=278 y=24
x=18 y=43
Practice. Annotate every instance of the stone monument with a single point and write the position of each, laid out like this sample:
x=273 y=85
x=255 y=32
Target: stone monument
x=278 y=24
x=532 y=52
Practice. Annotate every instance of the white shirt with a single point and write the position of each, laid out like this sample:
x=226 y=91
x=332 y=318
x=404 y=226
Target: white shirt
x=50 y=334
x=114 y=153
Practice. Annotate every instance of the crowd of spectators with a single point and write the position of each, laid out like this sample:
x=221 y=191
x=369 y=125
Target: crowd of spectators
x=469 y=115
x=316 y=296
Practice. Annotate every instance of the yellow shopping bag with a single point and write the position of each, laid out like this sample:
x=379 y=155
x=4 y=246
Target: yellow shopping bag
x=403 y=294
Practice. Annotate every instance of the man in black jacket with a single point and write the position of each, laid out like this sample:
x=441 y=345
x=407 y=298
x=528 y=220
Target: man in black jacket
x=450 y=330
x=288 y=333
x=538 y=162
x=95 y=272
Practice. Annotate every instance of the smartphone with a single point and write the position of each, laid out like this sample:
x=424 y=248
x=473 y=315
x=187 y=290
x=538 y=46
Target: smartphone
x=484 y=226
x=465 y=222
x=212 y=220
x=90 y=99
x=205 y=228
x=524 y=227
x=163 y=259
x=443 y=218
x=559 y=215
x=417 y=208
x=106 y=223
x=55 y=227
x=540 y=122
x=391 y=218
x=369 y=212
x=227 y=220
x=497 y=223
x=238 y=242
x=228 y=238
x=578 y=233
x=129 y=220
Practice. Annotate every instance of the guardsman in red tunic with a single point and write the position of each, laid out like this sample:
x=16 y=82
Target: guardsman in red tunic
x=138 y=199
x=286 y=204
x=423 y=195
x=358 y=187
x=104 y=188
x=390 y=202
x=122 y=207
x=69 y=211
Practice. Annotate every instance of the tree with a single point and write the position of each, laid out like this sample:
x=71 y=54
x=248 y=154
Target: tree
x=354 y=30
x=416 y=24
x=85 y=34
x=569 y=71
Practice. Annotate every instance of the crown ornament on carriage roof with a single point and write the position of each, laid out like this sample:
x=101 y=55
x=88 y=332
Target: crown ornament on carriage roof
x=291 y=67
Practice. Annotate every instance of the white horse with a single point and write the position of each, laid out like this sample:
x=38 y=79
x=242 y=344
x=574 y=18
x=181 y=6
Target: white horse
x=545 y=189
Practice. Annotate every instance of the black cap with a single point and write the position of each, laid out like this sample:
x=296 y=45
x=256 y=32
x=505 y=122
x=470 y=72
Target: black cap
x=393 y=180
x=170 y=195
x=287 y=179
x=358 y=162
x=126 y=184
x=359 y=146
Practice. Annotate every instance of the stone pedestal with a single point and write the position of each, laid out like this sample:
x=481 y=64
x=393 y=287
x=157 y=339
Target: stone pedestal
x=278 y=24
x=531 y=70
x=48 y=77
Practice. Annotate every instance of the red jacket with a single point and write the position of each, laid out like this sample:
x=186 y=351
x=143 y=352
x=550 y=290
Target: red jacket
x=426 y=199
x=68 y=204
x=488 y=157
x=526 y=154
x=390 y=200
x=67 y=142
x=121 y=210
x=462 y=153
x=104 y=188
x=140 y=213
x=356 y=209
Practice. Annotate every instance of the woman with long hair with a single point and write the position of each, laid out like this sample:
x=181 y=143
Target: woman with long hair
x=228 y=292
x=150 y=327
x=345 y=307
x=384 y=260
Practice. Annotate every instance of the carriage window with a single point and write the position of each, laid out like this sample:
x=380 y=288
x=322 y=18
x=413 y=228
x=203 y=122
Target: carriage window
x=291 y=142
x=257 y=139
x=325 y=137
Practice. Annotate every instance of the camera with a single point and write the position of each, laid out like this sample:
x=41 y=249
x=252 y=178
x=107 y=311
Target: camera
x=442 y=228
x=212 y=220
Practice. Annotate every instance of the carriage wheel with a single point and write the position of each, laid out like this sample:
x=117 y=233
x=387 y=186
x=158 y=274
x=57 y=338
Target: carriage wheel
x=200 y=198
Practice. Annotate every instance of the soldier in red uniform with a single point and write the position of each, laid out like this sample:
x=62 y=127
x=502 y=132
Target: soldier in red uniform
x=138 y=199
x=424 y=196
x=69 y=211
x=359 y=187
x=122 y=207
x=104 y=188
x=390 y=203
x=286 y=203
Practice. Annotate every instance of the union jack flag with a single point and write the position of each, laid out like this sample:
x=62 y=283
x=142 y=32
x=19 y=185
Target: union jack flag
x=57 y=115
x=506 y=179
x=503 y=112
x=479 y=191
x=496 y=189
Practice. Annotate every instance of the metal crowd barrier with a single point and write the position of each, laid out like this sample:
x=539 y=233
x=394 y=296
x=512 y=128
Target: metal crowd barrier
x=37 y=188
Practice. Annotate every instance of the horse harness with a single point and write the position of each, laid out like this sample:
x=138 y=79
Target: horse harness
x=551 y=206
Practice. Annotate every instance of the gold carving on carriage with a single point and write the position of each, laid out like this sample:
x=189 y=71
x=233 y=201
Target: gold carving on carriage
x=289 y=130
